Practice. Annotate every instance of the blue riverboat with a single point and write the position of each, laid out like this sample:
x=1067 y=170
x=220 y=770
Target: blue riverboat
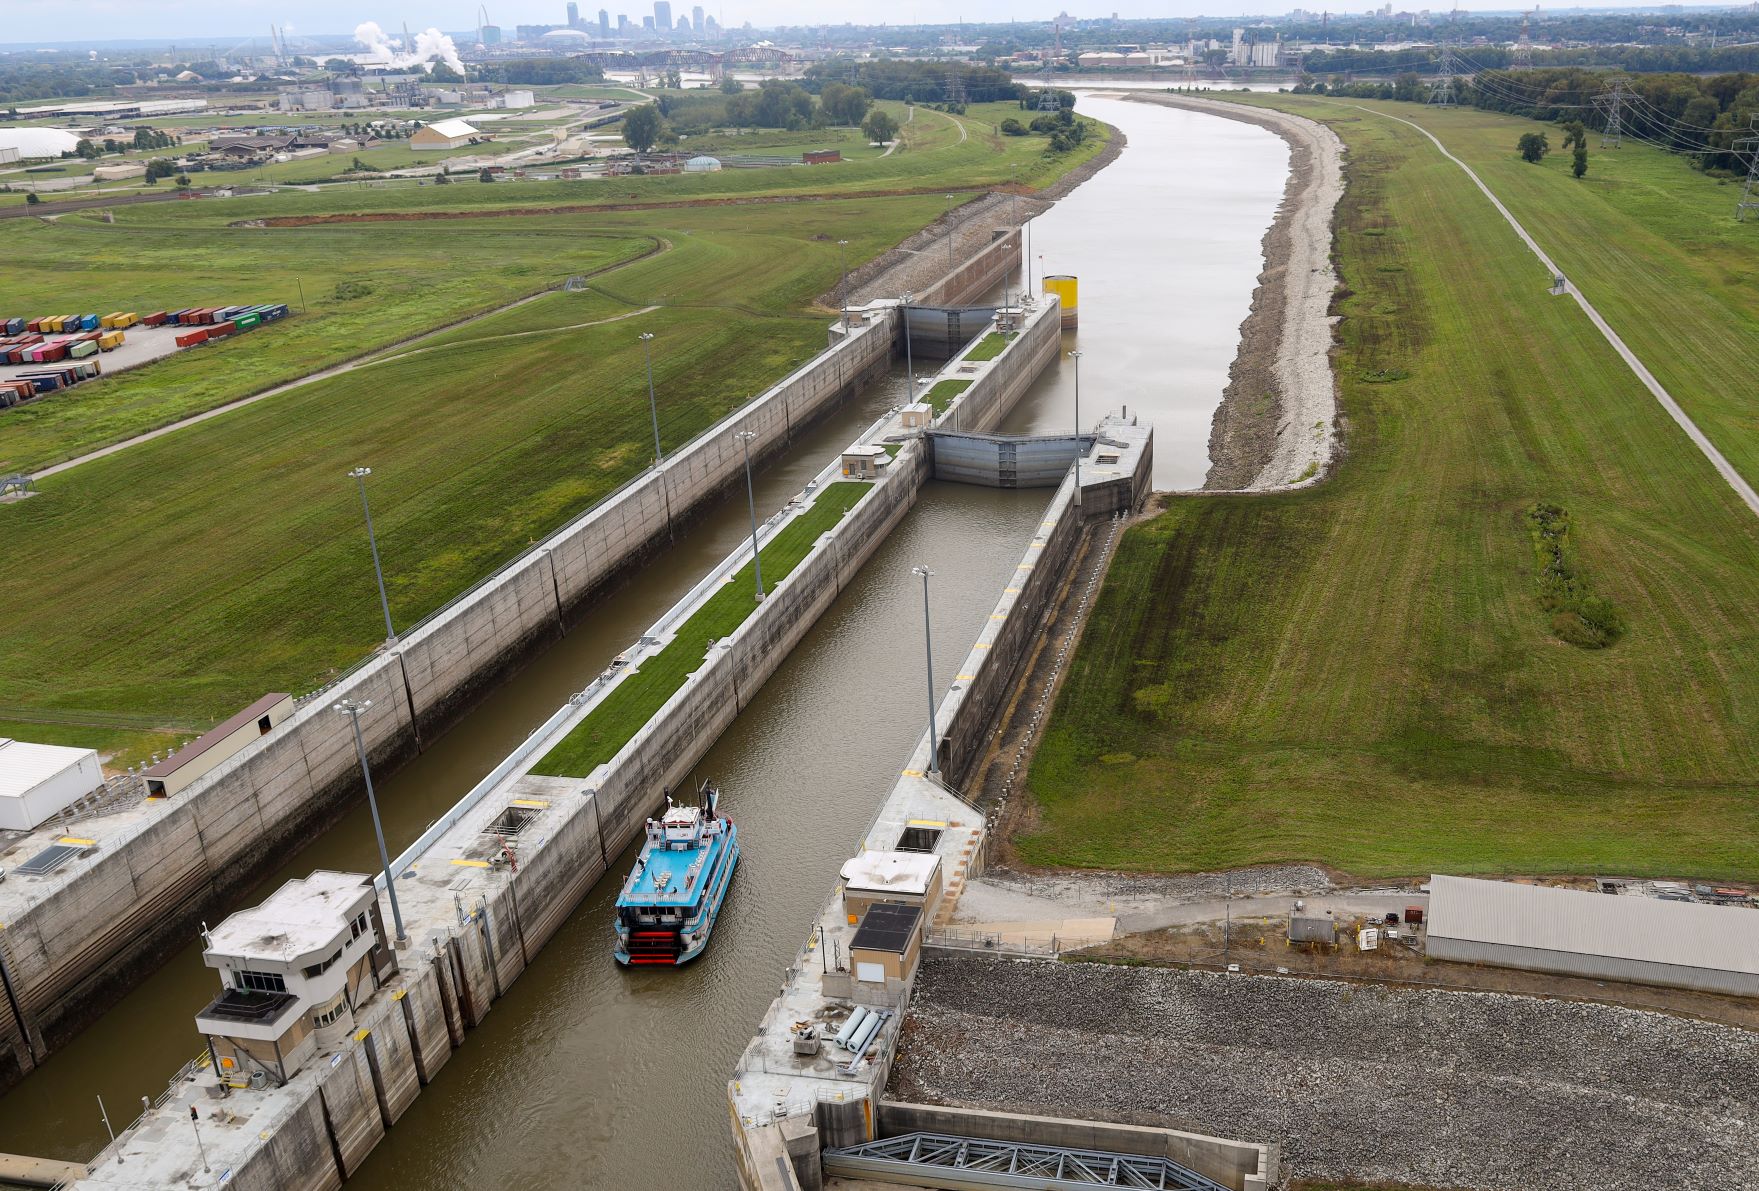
x=668 y=906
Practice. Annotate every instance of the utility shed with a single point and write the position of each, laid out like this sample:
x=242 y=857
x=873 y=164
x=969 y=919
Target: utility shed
x=1638 y=939
x=216 y=746
x=908 y=878
x=38 y=781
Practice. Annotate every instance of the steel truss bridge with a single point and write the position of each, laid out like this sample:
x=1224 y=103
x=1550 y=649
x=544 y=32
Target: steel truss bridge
x=971 y=1164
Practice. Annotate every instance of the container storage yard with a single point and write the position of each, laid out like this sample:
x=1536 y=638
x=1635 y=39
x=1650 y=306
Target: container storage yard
x=47 y=354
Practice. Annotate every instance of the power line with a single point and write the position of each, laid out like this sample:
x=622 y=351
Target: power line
x=1612 y=103
x=1442 y=94
x=1750 y=190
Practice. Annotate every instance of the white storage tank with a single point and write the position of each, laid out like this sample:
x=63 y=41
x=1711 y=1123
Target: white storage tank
x=702 y=165
x=38 y=781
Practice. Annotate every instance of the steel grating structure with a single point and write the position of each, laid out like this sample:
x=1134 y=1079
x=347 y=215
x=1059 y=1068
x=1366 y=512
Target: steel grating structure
x=961 y=1163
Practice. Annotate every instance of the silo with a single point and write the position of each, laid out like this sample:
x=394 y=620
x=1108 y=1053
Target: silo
x=1064 y=286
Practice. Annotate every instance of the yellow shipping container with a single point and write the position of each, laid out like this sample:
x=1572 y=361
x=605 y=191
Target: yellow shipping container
x=108 y=321
x=52 y=325
x=129 y=319
x=109 y=341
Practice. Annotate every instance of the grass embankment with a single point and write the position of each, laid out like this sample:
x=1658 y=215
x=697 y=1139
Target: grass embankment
x=608 y=727
x=183 y=577
x=1650 y=241
x=1368 y=673
x=365 y=286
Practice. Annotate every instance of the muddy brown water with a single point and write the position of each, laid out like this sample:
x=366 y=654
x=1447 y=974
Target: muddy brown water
x=586 y=1075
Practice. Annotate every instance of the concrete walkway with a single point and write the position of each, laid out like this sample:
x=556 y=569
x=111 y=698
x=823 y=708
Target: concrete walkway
x=1735 y=480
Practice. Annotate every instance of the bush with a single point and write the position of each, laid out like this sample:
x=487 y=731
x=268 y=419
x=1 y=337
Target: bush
x=1012 y=127
x=31 y=199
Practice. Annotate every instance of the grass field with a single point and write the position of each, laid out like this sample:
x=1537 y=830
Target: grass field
x=1364 y=674
x=228 y=559
x=608 y=727
x=1651 y=242
x=399 y=279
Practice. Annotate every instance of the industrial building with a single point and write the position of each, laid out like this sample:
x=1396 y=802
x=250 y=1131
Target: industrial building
x=1573 y=933
x=38 y=781
x=443 y=134
x=38 y=144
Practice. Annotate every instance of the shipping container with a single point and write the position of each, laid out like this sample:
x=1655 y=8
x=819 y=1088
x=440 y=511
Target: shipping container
x=155 y=319
x=15 y=326
x=107 y=321
x=82 y=349
x=110 y=342
x=192 y=338
x=247 y=322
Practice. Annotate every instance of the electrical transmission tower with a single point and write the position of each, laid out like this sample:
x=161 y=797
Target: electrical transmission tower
x=1750 y=191
x=1524 y=48
x=955 y=86
x=1612 y=133
x=1442 y=94
x=1047 y=95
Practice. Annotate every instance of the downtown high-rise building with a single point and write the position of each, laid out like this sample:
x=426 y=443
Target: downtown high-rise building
x=696 y=20
x=604 y=23
x=573 y=15
x=663 y=16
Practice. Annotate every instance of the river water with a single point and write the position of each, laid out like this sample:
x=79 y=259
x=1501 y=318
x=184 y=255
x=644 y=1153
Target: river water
x=586 y=1075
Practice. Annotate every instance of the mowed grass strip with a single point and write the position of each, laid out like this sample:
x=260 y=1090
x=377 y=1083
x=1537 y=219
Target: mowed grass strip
x=941 y=395
x=635 y=700
x=1364 y=674
x=991 y=345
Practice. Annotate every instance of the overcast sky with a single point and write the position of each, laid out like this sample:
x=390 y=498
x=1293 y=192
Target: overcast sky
x=202 y=21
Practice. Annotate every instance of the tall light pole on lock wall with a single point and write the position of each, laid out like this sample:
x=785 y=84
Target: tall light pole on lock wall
x=909 y=359
x=949 y=218
x=934 y=742
x=653 y=406
x=745 y=437
x=352 y=708
x=843 y=260
x=360 y=474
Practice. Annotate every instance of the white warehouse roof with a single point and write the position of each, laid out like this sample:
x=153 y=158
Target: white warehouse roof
x=453 y=128
x=25 y=766
x=1573 y=922
x=34 y=143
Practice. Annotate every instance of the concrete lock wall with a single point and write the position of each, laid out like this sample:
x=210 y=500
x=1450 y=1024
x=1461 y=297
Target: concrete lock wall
x=1244 y=1166
x=73 y=954
x=1005 y=460
x=298 y=1155
x=993 y=393
x=977 y=276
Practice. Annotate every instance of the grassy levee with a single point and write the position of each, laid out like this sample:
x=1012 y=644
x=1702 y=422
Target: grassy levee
x=1652 y=243
x=370 y=284
x=610 y=725
x=1363 y=674
x=366 y=286
x=178 y=579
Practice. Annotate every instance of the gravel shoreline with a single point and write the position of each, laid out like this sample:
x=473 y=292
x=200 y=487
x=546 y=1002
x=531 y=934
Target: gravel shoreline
x=1276 y=426
x=1479 y=1090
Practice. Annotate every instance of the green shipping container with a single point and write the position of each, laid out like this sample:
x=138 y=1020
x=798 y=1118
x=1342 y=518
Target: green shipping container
x=84 y=347
x=247 y=321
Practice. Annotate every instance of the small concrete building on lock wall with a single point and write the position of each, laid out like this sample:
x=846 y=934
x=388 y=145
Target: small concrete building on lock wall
x=293 y=970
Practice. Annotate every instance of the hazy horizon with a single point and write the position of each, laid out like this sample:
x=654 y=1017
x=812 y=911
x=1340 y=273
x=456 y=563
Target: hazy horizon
x=245 y=20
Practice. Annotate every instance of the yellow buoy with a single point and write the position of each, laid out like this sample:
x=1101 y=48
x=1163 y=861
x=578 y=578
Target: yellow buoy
x=1064 y=287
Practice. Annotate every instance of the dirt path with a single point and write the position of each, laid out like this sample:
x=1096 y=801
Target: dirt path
x=377 y=356
x=1724 y=468
x=1277 y=424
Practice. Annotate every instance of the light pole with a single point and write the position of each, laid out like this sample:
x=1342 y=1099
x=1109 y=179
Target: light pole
x=934 y=742
x=843 y=260
x=653 y=407
x=1076 y=356
x=352 y=708
x=199 y=1147
x=360 y=474
x=949 y=218
x=745 y=437
x=909 y=359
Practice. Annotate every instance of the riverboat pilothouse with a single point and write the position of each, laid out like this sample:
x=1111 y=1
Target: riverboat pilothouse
x=669 y=903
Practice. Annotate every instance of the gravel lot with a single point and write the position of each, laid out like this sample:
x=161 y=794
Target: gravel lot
x=1480 y=1090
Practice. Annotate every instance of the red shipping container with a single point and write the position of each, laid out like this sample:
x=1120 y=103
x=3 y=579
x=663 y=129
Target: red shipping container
x=155 y=319
x=222 y=329
x=192 y=338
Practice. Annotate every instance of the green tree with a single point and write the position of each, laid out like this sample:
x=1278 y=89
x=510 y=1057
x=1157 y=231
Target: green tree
x=1579 y=164
x=485 y=175
x=731 y=85
x=641 y=128
x=183 y=181
x=31 y=199
x=1575 y=135
x=1012 y=127
x=1533 y=147
x=879 y=127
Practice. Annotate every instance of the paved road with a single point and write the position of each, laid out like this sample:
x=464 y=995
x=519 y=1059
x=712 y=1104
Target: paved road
x=1735 y=480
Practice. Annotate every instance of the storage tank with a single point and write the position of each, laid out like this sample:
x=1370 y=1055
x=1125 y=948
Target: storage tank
x=1064 y=286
